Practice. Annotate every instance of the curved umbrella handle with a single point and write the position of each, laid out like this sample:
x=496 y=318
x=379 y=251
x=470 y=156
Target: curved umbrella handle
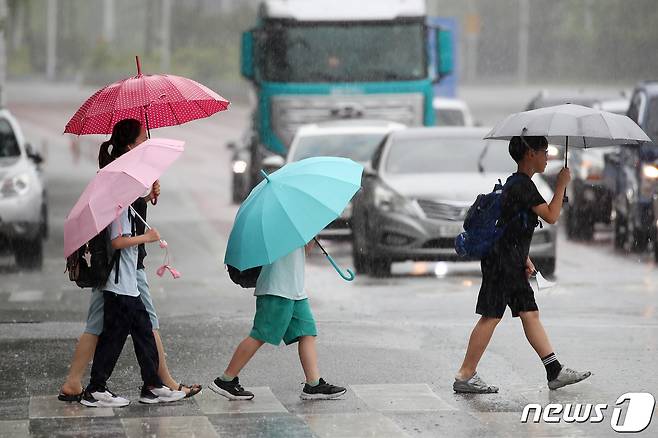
x=349 y=271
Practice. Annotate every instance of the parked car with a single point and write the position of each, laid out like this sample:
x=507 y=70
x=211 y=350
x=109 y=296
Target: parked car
x=241 y=181
x=451 y=112
x=632 y=175
x=353 y=138
x=590 y=199
x=417 y=190
x=23 y=200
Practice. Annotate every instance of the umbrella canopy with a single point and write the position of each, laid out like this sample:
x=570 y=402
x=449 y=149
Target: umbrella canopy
x=289 y=208
x=115 y=187
x=571 y=125
x=155 y=100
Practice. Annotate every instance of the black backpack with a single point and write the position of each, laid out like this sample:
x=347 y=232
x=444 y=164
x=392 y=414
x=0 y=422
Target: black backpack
x=91 y=264
x=247 y=278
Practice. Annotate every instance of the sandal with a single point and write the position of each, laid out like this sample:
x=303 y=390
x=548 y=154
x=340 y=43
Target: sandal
x=194 y=389
x=69 y=397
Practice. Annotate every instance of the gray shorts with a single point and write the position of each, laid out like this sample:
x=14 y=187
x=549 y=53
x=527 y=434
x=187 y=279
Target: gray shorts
x=95 y=314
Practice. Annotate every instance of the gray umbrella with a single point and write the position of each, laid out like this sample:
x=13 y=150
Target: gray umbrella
x=571 y=125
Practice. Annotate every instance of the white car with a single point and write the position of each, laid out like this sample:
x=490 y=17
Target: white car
x=353 y=138
x=23 y=208
x=451 y=112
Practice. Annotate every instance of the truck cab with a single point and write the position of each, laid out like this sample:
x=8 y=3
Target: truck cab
x=324 y=60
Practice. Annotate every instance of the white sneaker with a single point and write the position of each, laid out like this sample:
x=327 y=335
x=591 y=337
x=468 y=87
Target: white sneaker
x=162 y=394
x=103 y=399
x=568 y=376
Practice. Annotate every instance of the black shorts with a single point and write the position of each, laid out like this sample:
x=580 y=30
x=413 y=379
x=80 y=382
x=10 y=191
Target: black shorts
x=502 y=288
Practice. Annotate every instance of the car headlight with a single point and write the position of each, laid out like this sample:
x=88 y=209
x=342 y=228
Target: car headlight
x=650 y=171
x=649 y=180
x=388 y=200
x=16 y=185
x=239 y=166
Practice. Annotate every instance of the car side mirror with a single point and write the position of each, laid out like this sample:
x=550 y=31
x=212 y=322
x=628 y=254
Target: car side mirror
x=369 y=171
x=32 y=154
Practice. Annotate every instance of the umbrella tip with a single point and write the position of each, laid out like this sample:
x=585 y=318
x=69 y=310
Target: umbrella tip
x=267 y=177
x=139 y=66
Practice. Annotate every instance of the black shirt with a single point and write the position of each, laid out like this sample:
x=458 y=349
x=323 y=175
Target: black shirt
x=140 y=207
x=517 y=202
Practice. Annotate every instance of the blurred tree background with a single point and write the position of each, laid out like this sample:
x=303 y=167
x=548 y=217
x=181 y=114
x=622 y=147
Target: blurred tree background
x=97 y=40
x=565 y=41
x=510 y=40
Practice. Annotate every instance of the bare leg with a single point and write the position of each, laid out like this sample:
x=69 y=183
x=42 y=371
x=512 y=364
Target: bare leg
x=163 y=370
x=535 y=333
x=245 y=351
x=83 y=354
x=477 y=344
x=308 y=356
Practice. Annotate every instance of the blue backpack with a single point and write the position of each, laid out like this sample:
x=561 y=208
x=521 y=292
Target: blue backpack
x=481 y=227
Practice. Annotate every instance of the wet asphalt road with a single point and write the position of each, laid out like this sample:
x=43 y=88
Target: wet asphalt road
x=396 y=342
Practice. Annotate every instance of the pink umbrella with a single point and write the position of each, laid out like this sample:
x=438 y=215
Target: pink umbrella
x=115 y=187
x=155 y=100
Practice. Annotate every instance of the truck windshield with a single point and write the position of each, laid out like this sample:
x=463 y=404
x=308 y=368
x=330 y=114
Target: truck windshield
x=335 y=52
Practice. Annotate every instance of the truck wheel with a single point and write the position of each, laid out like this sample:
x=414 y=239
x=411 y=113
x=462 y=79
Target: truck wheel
x=29 y=253
x=359 y=259
x=546 y=266
x=380 y=267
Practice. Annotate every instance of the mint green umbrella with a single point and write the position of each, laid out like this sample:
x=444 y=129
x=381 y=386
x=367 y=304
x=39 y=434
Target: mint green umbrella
x=289 y=208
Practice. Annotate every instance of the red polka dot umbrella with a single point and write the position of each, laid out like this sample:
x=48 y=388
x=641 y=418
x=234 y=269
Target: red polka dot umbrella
x=155 y=100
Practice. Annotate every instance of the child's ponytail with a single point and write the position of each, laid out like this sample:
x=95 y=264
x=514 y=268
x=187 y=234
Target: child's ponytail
x=104 y=157
x=124 y=133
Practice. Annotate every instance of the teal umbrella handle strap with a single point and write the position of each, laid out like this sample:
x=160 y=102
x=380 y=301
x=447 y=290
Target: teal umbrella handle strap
x=349 y=277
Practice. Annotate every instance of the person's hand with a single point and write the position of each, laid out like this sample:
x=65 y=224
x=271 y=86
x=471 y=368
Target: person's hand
x=152 y=235
x=155 y=191
x=563 y=177
x=529 y=268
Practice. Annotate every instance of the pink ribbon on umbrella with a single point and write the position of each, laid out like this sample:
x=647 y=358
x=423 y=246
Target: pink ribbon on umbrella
x=166 y=264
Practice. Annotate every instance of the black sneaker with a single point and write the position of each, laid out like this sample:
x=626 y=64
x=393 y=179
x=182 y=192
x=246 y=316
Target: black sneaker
x=231 y=390
x=103 y=398
x=323 y=391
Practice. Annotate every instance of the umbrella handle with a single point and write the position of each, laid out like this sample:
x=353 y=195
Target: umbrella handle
x=349 y=277
x=565 y=199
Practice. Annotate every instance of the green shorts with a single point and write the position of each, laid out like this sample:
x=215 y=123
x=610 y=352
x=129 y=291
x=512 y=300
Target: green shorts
x=280 y=318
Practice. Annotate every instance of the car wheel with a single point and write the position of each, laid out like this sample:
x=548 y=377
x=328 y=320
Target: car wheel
x=359 y=259
x=579 y=227
x=380 y=267
x=620 y=231
x=45 y=230
x=546 y=266
x=639 y=238
x=29 y=253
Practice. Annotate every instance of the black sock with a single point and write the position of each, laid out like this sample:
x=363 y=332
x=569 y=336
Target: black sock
x=552 y=365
